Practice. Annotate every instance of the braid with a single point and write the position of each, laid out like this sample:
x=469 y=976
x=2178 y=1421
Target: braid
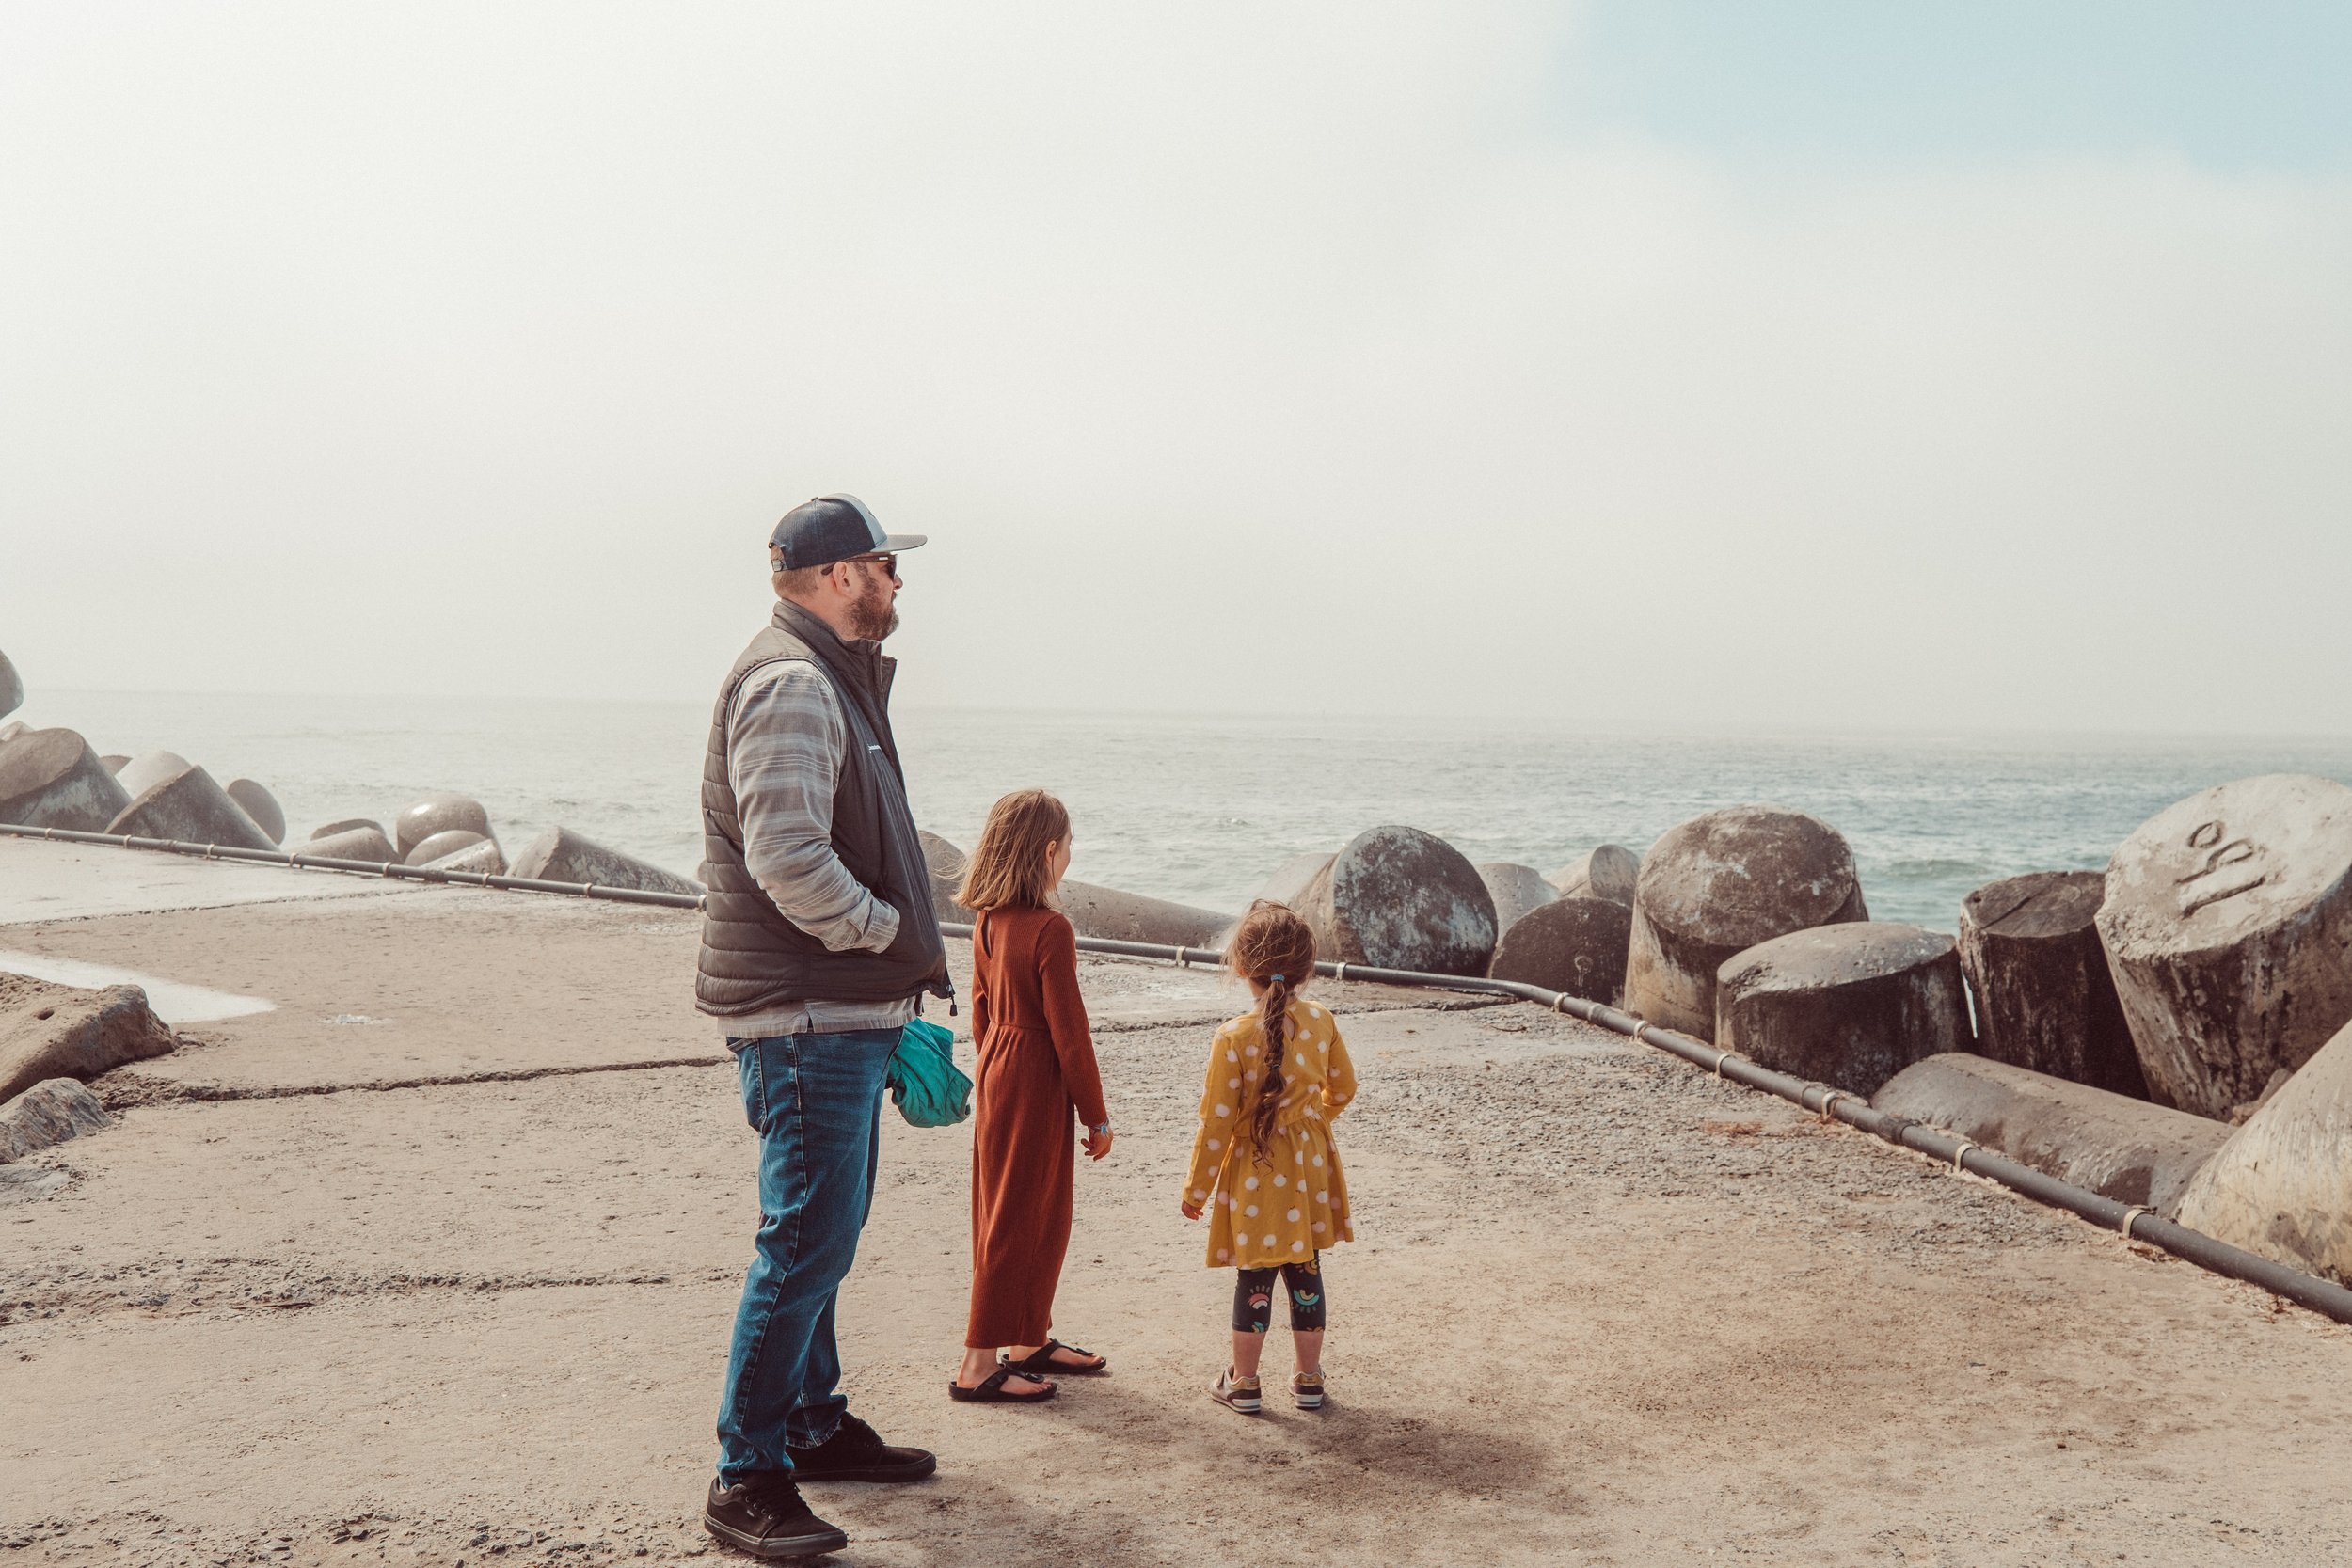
x=1272 y=947
x=1274 y=1018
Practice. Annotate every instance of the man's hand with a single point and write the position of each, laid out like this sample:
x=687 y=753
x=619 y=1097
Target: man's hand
x=1097 y=1144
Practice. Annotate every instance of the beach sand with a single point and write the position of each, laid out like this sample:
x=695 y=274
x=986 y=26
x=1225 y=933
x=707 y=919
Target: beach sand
x=435 y=1263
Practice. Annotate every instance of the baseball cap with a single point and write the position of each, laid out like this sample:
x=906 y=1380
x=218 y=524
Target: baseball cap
x=834 y=528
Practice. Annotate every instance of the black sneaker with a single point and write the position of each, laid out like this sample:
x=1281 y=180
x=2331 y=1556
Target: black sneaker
x=856 y=1453
x=766 y=1517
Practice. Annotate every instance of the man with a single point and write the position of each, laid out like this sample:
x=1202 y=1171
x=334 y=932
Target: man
x=817 y=944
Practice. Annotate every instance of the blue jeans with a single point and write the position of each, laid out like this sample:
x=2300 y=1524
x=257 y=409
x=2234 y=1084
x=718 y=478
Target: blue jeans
x=815 y=1101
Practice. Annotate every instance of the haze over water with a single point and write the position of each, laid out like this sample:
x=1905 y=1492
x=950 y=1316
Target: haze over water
x=1202 y=808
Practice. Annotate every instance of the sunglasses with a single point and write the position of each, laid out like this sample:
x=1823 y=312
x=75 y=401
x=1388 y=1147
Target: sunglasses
x=886 y=560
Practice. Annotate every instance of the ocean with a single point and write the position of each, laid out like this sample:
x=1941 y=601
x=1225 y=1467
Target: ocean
x=1202 y=808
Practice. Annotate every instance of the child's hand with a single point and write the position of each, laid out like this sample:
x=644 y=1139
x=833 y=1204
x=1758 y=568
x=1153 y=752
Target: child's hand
x=1097 y=1144
x=1191 y=1210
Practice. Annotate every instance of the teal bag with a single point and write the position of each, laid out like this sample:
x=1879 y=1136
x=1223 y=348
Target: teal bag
x=925 y=1083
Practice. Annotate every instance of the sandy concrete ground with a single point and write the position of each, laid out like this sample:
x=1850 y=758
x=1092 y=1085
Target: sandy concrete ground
x=453 y=1285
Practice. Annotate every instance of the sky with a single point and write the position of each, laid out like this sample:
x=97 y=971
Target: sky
x=1683 y=365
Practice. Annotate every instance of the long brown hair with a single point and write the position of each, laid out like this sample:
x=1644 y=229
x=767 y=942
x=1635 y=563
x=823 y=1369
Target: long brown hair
x=1008 y=867
x=1274 y=948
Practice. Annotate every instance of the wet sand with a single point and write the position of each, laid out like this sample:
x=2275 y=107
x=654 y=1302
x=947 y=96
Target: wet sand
x=436 y=1263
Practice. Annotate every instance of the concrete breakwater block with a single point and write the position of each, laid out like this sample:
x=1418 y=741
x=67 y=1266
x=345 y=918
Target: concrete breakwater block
x=1094 y=911
x=1850 y=1004
x=1400 y=899
x=52 y=779
x=193 y=809
x=448 y=841
x=114 y=763
x=12 y=688
x=328 y=829
x=2281 y=1186
x=1516 y=890
x=1718 y=885
x=944 y=863
x=2044 y=998
x=144 y=772
x=260 y=805
x=13 y=728
x=1575 y=944
x=2228 y=926
x=51 y=1112
x=437 y=813
x=1103 y=911
x=2117 y=1146
x=1290 y=884
x=364 y=843
x=53 y=1031
x=483 y=856
x=561 y=855
x=1608 y=871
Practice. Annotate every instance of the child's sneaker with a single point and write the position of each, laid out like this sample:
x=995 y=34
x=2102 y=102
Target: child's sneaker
x=1240 y=1394
x=1307 y=1390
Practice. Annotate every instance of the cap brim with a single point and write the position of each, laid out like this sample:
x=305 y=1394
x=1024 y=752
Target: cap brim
x=895 y=542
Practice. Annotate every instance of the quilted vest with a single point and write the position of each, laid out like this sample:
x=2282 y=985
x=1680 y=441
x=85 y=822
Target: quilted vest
x=754 y=959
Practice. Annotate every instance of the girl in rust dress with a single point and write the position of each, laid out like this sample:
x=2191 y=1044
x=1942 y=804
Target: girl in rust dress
x=1037 y=1080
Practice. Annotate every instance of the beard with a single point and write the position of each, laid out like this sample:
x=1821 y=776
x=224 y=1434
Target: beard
x=873 y=617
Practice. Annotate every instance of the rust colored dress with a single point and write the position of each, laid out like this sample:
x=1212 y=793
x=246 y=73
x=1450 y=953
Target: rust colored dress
x=1036 y=1070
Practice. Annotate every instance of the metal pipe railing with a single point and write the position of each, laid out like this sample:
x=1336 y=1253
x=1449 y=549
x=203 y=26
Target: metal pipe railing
x=299 y=862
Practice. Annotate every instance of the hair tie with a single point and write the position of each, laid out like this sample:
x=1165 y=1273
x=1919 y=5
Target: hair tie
x=1275 y=980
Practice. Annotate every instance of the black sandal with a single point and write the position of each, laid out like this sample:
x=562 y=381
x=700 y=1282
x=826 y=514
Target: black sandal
x=991 y=1389
x=1044 y=1362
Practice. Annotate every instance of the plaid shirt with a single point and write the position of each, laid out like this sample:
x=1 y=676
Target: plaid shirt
x=786 y=737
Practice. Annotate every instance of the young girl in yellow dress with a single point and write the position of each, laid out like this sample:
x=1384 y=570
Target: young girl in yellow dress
x=1264 y=1167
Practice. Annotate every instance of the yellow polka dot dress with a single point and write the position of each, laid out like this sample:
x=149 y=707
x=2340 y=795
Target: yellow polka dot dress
x=1292 y=1204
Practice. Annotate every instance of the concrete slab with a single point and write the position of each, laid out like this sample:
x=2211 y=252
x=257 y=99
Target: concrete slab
x=420 y=1325
x=43 y=879
x=371 y=992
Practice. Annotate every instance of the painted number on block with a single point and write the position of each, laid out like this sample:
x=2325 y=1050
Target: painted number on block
x=2218 y=878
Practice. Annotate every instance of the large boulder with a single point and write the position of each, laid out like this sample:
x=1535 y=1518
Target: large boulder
x=52 y=779
x=1718 y=885
x=50 y=1111
x=363 y=843
x=437 y=813
x=260 y=805
x=12 y=688
x=1575 y=944
x=2228 y=926
x=1608 y=871
x=2113 y=1144
x=1850 y=1004
x=193 y=809
x=145 y=772
x=2044 y=998
x=2281 y=1186
x=1401 y=898
x=561 y=855
x=1516 y=890
x=53 y=1031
